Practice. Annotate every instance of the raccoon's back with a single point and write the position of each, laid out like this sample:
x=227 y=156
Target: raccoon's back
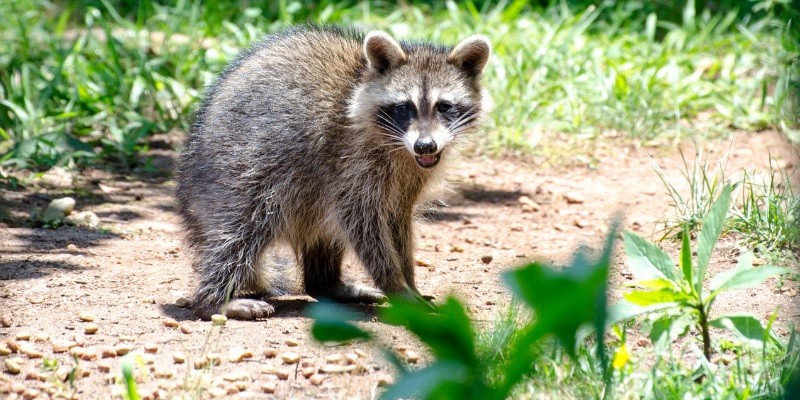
x=291 y=84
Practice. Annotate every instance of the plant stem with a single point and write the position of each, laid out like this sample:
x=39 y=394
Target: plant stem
x=704 y=329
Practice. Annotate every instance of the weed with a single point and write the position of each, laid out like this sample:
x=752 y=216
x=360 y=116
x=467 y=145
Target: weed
x=705 y=186
x=661 y=289
x=768 y=213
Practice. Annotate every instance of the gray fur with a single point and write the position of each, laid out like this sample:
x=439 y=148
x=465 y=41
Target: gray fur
x=288 y=148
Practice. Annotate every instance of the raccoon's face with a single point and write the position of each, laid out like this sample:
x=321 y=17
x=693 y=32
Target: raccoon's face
x=421 y=97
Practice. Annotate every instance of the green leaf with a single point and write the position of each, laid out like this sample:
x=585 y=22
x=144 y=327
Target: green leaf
x=443 y=379
x=709 y=234
x=625 y=310
x=563 y=302
x=646 y=260
x=654 y=284
x=686 y=256
x=668 y=328
x=744 y=262
x=744 y=278
x=331 y=323
x=745 y=326
x=646 y=298
x=447 y=330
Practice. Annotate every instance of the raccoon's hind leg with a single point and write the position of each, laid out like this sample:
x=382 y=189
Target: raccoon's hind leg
x=322 y=275
x=227 y=265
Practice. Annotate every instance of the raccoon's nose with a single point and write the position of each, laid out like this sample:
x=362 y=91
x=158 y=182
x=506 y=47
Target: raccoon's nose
x=425 y=146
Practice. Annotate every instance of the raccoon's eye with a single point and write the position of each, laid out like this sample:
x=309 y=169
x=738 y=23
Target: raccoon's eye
x=402 y=109
x=445 y=107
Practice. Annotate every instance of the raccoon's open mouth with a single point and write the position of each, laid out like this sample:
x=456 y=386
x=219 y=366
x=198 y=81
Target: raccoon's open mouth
x=428 y=160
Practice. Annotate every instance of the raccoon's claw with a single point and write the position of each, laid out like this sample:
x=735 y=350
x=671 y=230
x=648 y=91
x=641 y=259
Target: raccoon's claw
x=248 y=309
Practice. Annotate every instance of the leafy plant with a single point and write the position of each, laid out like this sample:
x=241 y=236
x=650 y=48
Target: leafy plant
x=564 y=302
x=678 y=294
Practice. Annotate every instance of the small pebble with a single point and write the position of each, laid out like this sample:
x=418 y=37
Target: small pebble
x=90 y=329
x=123 y=349
x=179 y=357
x=351 y=358
x=108 y=352
x=282 y=373
x=31 y=394
x=30 y=351
x=12 y=345
x=4 y=350
x=5 y=320
x=86 y=316
x=217 y=392
x=333 y=358
x=316 y=379
x=290 y=357
x=269 y=369
x=270 y=352
x=12 y=366
x=308 y=371
x=456 y=249
x=63 y=346
x=268 y=387
x=214 y=358
x=238 y=355
x=236 y=376
x=89 y=355
x=151 y=348
x=35 y=376
x=486 y=259
x=423 y=262
x=162 y=373
x=72 y=248
x=76 y=351
x=360 y=353
x=183 y=302
x=185 y=329
x=104 y=366
x=170 y=323
x=385 y=380
x=41 y=337
x=219 y=319
x=24 y=335
x=411 y=356
x=292 y=343
x=573 y=198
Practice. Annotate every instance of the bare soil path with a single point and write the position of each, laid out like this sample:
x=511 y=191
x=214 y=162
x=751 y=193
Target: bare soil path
x=130 y=274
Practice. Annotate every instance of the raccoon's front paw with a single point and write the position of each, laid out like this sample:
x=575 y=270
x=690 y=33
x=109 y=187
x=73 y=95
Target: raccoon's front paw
x=248 y=309
x=347 y=293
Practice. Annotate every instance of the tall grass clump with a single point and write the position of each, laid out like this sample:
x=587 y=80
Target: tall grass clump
x=89 y=82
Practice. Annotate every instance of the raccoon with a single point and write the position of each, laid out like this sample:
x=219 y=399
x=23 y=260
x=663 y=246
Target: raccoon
x=323 y=139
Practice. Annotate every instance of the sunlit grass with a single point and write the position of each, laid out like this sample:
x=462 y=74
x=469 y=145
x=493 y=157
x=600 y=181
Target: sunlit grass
x=90 y=84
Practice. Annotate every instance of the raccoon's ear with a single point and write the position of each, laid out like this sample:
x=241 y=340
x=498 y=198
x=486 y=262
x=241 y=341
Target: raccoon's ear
x=382 y=52
x=471 y=55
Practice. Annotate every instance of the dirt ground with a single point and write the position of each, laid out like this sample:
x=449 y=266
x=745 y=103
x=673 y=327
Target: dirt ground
x=129 y=274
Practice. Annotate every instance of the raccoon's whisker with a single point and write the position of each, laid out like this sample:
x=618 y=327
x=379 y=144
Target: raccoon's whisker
x=394 y=131
x=389 y=124
x=462 y=119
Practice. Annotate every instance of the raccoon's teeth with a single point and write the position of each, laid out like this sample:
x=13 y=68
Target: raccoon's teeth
x=427 y=161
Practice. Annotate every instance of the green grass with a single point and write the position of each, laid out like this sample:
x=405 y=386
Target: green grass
x=88 y=82
x=769 y=212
